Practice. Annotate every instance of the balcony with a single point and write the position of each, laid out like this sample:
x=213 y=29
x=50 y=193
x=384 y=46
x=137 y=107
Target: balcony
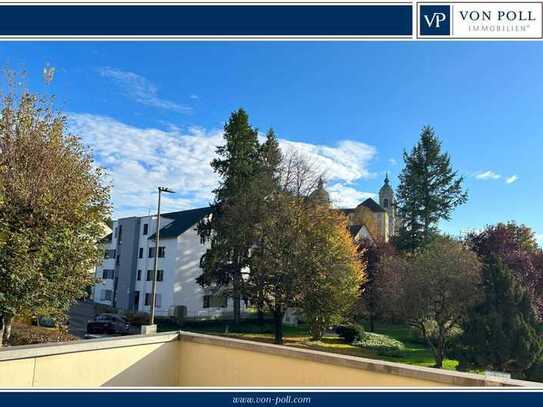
x=184 y=359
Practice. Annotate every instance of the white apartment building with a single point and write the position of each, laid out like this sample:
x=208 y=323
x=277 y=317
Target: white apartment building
x=127 y=270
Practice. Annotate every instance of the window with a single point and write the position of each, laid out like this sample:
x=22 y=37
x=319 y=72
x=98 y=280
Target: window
x=385 y=203
x=106 y=295
x=159 y=275
x=139 y=275
x=115 y=232
x=148 y=300
x=110 y=254
x=117 y=260
x=141 y=253
x=145 y=228
x=161 y=251
x=120 y=233
x=108 y=274
x=215 y=301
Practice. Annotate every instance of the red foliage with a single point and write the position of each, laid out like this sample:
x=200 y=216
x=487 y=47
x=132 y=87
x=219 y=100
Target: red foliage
x=518 y=249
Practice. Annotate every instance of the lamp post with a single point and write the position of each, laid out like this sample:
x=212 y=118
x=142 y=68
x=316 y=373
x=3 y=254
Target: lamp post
x=157 y=241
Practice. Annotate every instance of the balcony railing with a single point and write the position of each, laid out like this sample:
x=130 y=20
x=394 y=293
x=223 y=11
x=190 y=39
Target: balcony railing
x=191 y=360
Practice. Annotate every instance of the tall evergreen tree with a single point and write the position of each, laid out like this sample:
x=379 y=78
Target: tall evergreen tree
x=270 y=160
x=501 y=333
x=268 y=184
x=429 y=190
x=230 y=228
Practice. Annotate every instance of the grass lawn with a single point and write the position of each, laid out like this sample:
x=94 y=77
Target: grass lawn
x=414 y=353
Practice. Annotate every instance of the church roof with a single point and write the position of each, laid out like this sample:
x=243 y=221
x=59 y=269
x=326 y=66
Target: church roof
x=182 y=221
x=372 y=205
x=368 y=203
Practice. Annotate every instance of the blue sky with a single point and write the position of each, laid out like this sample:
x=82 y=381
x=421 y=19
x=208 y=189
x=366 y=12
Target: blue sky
x=153 y=113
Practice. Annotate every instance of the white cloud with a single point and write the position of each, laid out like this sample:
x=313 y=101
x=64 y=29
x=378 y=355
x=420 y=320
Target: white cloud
x=141 y=89
x=348 y=161
x=343 y=196
x=487 y=175
x=511 y=179
x=392 y=161
x=140 y=159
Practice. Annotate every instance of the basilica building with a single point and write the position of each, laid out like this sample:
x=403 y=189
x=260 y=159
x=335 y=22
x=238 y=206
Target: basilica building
x=372 y=220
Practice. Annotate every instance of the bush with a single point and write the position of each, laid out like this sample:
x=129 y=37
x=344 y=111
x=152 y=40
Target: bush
x=137 y=318
x=381 y=344
x=350 y=333
x=535 y=373
x=23 y=334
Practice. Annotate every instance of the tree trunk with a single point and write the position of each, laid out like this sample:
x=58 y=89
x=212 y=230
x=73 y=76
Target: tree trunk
x=260 y=315
x=440 y=351
x=316 y=331
x=371 y=320
x=237 y=299
x=439 y=358
x=8 y=320
x=278 y=325
x=1 y=330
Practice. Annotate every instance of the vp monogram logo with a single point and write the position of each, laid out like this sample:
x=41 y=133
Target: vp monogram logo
x=434 y=20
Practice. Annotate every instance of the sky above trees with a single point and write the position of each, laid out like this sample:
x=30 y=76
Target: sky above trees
x=153 y=113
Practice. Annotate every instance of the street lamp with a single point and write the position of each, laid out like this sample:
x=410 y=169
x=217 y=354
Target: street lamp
x=157 y=240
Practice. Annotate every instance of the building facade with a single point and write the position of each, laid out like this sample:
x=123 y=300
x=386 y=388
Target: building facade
x=126 y=274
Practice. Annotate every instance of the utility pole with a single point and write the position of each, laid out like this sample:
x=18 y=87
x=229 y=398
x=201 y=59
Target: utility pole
x=157 y=242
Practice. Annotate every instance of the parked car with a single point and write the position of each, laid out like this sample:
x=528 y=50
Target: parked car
x=49 y=322
x=107 y=324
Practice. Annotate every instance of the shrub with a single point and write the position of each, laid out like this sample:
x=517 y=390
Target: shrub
x=24 y=334
x=350 y=332
x=381 y=344
x=137 y=318
x=535 y=373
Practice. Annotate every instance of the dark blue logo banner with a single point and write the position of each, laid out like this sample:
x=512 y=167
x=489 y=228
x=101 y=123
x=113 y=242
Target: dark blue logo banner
x=196 y=20
x=504 y=398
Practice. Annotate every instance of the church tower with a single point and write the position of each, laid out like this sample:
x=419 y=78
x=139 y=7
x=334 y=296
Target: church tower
x=388 y=202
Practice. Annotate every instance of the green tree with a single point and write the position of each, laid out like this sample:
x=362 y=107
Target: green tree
x=371 y=253
x=433 y=289
x=268 y=183
x=331 y=274
x=53 y=208
x=517 y=247
x=429 y=190
x=501 y=332
x=230 y=228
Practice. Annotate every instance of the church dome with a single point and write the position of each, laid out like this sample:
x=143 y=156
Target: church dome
x=320 y=194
